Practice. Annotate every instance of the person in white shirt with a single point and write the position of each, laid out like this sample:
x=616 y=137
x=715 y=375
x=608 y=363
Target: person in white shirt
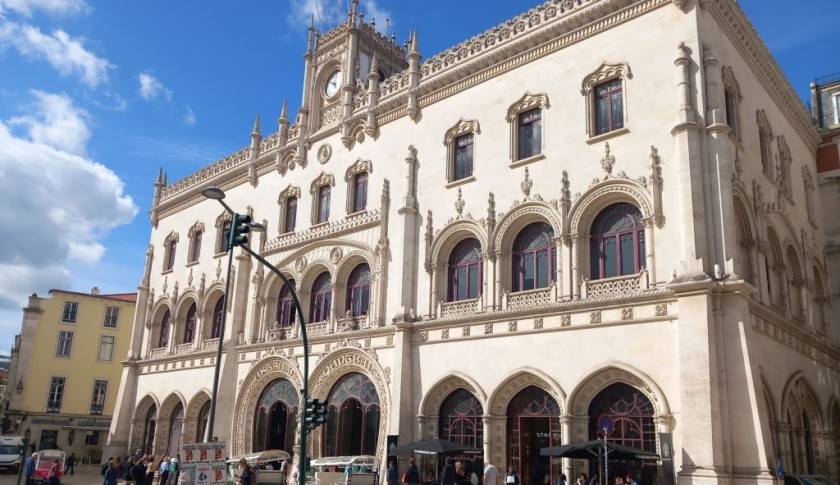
x=490 y=473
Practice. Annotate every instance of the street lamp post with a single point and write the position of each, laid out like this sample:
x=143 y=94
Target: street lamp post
x=217 y=194
x=23 y=452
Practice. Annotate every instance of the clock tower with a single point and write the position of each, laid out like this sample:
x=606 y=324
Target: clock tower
x=343 y=67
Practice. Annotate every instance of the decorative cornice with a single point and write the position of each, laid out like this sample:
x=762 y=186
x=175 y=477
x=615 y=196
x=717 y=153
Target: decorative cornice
x=354 y=222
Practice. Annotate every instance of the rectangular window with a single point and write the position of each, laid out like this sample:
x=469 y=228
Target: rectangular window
x=97 y=400
x=170 y=255
x=225 y=237
x=56 y=395
x=360 y=182
x=111 y=316
x=106 y=348
x=530 y=133
x=70 y=310
x=92 y=438
x=65 y=343
x=463 y=163
x=732 y=113
x=324 y=204
x=764 y=147
x=196 y=246
x=609 y=107
x=291 y=214
x=49 y=439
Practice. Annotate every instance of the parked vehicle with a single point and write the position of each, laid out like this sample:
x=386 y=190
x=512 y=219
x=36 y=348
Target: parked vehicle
x=346 y=470
x=11 y=452
x=45 y=460
x=269 y=466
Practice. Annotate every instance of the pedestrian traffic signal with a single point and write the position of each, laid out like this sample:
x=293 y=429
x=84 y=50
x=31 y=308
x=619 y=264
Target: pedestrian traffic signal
x=307 y=465
x=315 y=412
x=239 y=228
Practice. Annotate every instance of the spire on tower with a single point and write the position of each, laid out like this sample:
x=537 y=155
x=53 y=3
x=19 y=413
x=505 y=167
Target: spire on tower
x=255 y=133
x=284 y=116
x=374 y=67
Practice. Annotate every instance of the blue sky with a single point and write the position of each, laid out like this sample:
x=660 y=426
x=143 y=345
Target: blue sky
x=96 y=96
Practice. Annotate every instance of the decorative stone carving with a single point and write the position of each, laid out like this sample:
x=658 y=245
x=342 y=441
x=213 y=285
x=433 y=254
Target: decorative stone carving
x=565 y=320
x=465 y=331
x=323 y=179
x=459 y=204
x=300 y=264
x=627 y=313
x=608 y=161
x=359 y=166
x=526 y=103
x=512 y=326
x=424 y=336
x=595 y=316
x=605 y=72
x=444 y=334
x=462 y=127
x=488 y=328
x=324 y=153
x=661 y=309
x=335 y=255
x=526 y=185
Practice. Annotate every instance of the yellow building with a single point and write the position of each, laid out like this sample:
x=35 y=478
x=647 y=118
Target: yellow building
x=66 y=367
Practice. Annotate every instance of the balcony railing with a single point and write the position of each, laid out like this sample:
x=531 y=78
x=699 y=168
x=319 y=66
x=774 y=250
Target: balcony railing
x=96 y=409
x=210 y=344
x=157 y=353
x=460 y=308
x=529 y=298
x=54 y=407
x=615 y=286
x=183 y=348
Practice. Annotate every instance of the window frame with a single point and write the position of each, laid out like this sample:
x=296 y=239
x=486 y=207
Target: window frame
x=55 y=394
x=286 y=312
x=216 y=322
x=64 y=344
x=359 y=171
x=605 y=73
x=223 y=223
x=360 y=192
x=73 y=313
x=453 y=270
x=288 y=211
x=613 y=90
x=102 y=344
x=324 y=201
x=320 y=300
x=518 y=258
x=359 y=288
x=190 y=329
x=196 y=236
x=639 y=243
x=460 y=131
x=765 y=144
x=92 y=442
x=732 y=101
x=162 y=342
x=110 y=320
x=527 y=103
x=97 y=398
x=170 y=248
x=320 y=187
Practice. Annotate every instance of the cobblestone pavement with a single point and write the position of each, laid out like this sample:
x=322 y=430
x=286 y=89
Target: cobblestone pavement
x=84 y=475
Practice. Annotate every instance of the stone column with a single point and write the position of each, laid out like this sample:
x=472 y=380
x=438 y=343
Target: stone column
x=487 y=446
x=566 y=422
x=650 y=261
x=575 y=261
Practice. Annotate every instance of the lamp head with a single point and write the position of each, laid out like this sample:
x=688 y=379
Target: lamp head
x=256 y=227
x=213 y=192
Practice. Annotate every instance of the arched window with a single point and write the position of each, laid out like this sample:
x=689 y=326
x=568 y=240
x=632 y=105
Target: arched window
x=353 y=414
x=189 y=327
x=794 y=279
x=276 y=419
x=809 y=442
x=632 y=414
x=534 y=257
x=163 y=339
x=149 y=429
x=533 y=422
x=358 y=290
x=617 y=242
x=461 y=419
x=321 y=299
x=218 y=314
x=176 y=423
x=203 y=417
x=465 y=271
x=286 y=306
x=743 y=238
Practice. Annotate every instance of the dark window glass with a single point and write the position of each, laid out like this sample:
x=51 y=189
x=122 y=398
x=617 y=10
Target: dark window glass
x=617 y=244
x=764 y=146
x=70 y=310
x=291 y=214
x=463 y=163
x=163 y=339
x=324 y=203
x=731 y=112
x=225 y=237
x=276 y=417
x=170 y=254
x=465 y=271
x=112 y=314
x=353 y=416
x=189 y=328
x=203 y=417
x=286 y=306
x=533 y=422
x=461 y=419
x=97 y=401
x=534 y=257
x=196 y=246
x=609 y=107
x=358 y=290
x=218 y=315
x=321 y=299
x=360 y=184
x=56 y=395
x=530 y=133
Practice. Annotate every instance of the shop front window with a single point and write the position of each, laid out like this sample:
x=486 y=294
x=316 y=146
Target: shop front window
x=533 y=423
x=276 y=419
x=353 y=417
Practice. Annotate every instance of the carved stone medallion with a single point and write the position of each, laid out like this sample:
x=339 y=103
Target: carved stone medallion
x=324 y=153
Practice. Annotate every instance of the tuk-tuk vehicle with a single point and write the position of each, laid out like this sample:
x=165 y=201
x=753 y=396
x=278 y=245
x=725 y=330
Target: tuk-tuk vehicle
x=46 y=458
x=346 y=470
x=269 y=467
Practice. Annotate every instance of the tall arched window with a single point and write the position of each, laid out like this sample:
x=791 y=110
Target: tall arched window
x=794 y=280
x=465 y=271
x=353 y=414
x=203 y=417
x=533 y=422
x=176 y=424
x=534 y=257
x=461 y=419
x=218 y=314
x=744 y=240
x=189 y=325
x=149 y=429
x=276 y=419
x=163 y=339
x=321 y=299
x=617 y=242
x=632 y=415
x=286 y=306
x=358 y=290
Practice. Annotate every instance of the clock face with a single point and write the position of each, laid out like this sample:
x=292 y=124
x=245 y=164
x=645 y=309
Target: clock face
x=333 y=83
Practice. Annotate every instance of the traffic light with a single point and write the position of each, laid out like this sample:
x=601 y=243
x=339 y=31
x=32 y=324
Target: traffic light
x=315 y=412
x=240 y=226
x=306 y=461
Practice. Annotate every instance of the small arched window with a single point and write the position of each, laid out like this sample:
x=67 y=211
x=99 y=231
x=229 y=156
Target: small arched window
x=617 y=242
x=218 y=315
x=465 y=271
x=286 y=306
x=534 y=257
x=358 y=290
x=321 y=299
x=163 y=340
x=189 y=328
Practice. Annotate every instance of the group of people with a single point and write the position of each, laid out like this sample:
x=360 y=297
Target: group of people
x=53 y=476
x=141 y=469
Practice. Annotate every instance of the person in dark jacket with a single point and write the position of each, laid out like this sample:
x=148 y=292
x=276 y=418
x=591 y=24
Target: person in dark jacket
x=412 y=474
x=112 y=473
x=448 y=475
x=70 y=464
x=391 y=475
x=29 y=469
x=511 y=477
x=138 y=471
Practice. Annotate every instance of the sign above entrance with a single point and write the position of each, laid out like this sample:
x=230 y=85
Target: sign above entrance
x=605 y=425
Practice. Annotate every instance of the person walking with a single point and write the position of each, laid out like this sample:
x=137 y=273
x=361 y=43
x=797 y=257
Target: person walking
x=245 y=478
x=174 y=470
x=29 y=468
x=391 y=474
x=630 y=480
x=594 y=480
x=448 y=475
x=70 y=464
x=163 y=470
x=460 y=475
x=54 y=475
x=581 y=479
x=511 y=477
x=138 y=471
x=112 y=473
x=491 y=473
x=412 y=474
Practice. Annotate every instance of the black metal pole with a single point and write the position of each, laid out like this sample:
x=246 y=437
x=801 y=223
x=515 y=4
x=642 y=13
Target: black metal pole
x=23 y=453
x=211 y=419
x=305 y=390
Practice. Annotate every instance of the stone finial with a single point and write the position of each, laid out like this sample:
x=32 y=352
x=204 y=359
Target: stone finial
x=284 y=113
x=374 y=67
x=526 y=184
x=255 y=132
x=415 y=47
x=459 y=204
x=608 y=161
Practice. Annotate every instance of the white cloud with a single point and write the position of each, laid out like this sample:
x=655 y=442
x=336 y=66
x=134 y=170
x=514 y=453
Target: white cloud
x=56 y=123
x=65 y=53
x=189 y=117
x=328 y=16
x=151 y=88
x=28 y=7
x=57 y=205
